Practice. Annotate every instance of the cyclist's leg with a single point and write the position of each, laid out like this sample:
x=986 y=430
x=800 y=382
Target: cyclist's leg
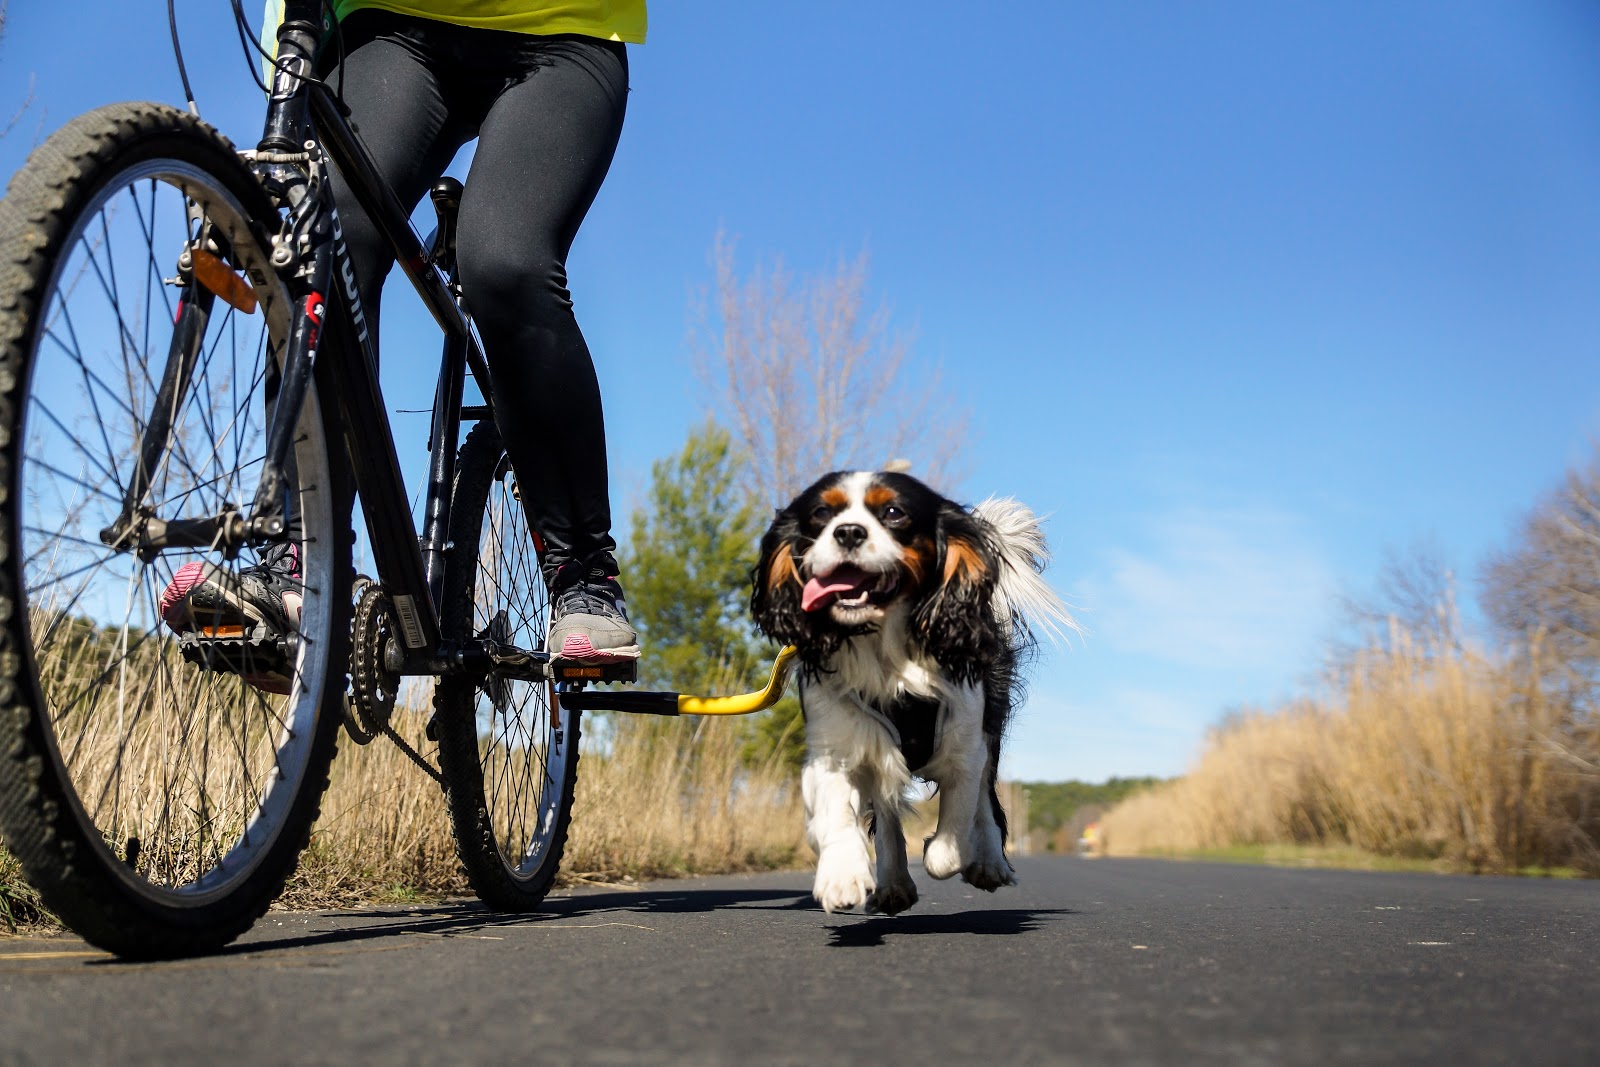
x=399 y=103
x=544 y=149
x=405 y=104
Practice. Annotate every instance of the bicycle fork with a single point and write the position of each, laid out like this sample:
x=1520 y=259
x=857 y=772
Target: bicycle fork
x=137 y=527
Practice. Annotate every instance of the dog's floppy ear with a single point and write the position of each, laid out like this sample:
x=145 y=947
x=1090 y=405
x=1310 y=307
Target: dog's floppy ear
x=776 y=584
x=955 y=622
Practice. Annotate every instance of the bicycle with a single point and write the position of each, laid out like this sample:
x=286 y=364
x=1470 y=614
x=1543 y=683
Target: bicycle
x=156 y=786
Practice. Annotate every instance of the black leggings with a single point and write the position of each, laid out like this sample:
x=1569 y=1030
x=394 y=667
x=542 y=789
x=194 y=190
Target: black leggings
x=547 y=112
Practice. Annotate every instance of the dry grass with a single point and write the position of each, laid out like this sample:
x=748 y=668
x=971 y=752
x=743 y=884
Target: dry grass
x=655 y=798
x=384 y=833
x=170 y=760
x=1427 y=751
x=20 y=907
x=671 y=797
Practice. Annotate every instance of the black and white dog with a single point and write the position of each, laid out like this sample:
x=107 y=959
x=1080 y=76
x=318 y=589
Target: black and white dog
x=911 y=615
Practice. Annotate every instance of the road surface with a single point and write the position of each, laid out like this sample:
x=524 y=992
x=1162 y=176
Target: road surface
x=1088 y=961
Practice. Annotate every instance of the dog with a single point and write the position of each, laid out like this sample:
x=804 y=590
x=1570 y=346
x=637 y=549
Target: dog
x=911 y=616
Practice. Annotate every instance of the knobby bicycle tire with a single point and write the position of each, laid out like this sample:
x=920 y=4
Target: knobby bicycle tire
x=508 y=751
x=119 y=892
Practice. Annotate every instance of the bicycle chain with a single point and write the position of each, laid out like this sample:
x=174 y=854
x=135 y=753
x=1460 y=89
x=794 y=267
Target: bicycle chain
x=416 y=757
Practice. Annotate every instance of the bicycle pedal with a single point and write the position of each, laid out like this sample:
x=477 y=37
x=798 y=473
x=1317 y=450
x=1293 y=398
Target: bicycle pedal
x=235 y=650
x=622 y=670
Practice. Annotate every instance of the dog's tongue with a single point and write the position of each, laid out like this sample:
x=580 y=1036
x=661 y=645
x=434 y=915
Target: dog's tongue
x=820 y=592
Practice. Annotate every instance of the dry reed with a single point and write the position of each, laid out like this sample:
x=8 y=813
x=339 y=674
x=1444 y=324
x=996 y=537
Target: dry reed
x=672 y=797
x=654 y=798
x=1423 y=750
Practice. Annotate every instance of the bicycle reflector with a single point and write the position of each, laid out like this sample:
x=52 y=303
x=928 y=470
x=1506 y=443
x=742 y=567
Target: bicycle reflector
x=218 y=277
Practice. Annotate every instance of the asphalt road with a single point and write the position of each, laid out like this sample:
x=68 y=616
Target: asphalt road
x=1103 y=961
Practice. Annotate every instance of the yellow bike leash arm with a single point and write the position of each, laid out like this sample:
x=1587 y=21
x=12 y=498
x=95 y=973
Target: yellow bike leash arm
x=685 y=703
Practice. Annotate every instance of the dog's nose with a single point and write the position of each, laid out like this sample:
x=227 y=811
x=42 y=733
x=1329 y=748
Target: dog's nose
x=850 y=535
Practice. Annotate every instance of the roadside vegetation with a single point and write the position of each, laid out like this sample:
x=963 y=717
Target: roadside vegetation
x=1059 y=811
x=19 y=904
x=1475 y=752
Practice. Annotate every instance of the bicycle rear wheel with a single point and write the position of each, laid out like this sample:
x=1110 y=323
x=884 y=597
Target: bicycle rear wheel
x=156 y=798
x=508 y=750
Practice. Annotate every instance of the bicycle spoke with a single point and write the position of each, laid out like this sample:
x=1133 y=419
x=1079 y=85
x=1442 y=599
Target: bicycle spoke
x=97 y=490
x=147 y=227
x=516 y=734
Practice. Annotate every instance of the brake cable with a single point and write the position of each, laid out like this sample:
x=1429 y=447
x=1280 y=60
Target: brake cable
x=177 y=52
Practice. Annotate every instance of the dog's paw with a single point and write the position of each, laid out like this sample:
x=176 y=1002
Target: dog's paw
x=941 y=856
x=989 y=874
x=893 y=898
x=842 y=883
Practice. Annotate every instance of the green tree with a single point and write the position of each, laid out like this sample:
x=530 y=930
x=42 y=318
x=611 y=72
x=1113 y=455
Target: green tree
x=687 y=569
x=778 y=736
x=1052 y=805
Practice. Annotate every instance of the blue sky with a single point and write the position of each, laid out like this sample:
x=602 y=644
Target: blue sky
x=1239 y=293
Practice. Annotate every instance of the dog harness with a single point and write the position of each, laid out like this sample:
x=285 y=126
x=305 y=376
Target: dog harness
x=913 y=724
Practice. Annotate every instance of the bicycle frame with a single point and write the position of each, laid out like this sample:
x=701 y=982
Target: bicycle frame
x=304 y=121
x=412 y=573
x=306 y=131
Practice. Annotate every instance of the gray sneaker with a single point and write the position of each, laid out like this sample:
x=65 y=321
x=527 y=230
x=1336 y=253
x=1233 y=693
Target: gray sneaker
x=591 y=625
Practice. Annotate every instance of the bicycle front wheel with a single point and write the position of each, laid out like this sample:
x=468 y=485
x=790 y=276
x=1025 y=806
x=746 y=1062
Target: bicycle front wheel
x=508 y=750
x=157 y=780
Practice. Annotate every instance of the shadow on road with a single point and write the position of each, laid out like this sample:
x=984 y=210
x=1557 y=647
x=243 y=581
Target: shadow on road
x=469 y=917
x=679 y=901
x=870 y=932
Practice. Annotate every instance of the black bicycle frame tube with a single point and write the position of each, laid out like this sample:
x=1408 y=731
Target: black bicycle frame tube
x=442 y=462
x=286 y=107
x=298 y=363
x=389 y=215
x=352 y=372
x=370 y=445
x=194 y=311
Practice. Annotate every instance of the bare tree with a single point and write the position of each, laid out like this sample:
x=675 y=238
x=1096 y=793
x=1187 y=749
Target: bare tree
x=1546 y=586
x=1414 y=595
x=27 y=97
x=814 y=381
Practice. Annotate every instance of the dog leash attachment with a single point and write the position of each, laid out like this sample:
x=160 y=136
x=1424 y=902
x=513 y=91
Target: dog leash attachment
x=685 y=703
x=744 y=703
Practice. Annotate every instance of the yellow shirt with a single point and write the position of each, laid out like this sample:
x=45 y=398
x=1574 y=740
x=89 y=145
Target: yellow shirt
x=613 y=20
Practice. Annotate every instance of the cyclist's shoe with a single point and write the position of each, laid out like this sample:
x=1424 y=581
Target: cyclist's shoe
x=212 y=602
x=591 y=625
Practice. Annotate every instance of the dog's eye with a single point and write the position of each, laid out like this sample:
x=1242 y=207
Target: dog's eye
x=821 y=514
x=893 y=515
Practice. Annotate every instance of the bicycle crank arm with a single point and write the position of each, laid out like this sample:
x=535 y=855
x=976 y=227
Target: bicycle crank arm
x=624 y=701
x=479 y=659
x=506 y=661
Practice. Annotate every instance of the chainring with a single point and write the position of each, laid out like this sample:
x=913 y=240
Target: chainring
x=373 y=687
